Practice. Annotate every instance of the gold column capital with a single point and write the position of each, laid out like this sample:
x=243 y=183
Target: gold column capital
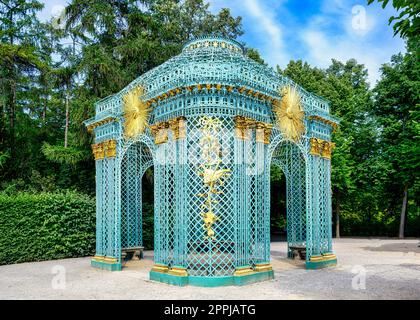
x=110 y=148
x=104 y=149
x=98 y=151
x=160 y=132
x=240 y=126
x=321 y=148
x=178 y=126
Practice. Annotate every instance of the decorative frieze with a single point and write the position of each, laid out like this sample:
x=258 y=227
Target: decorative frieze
x=324 y=120
x=215 y=44
x=99 y=123
x=210 y=86
x=322 y=148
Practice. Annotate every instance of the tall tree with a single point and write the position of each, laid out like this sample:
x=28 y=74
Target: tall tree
x=407 y=22
x=345 y=86
x=20 y=61
x=397 y=108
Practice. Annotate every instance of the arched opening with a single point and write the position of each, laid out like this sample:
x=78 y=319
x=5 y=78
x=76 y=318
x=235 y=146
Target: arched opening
x=136 y=200
x=289 y=175
x=277 y=204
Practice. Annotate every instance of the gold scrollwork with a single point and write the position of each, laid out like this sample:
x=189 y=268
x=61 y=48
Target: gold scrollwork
x=98 y=151
x=177 y=125
x=92 y=126
x=244 y=125
x=104 y=149
x=110 y=148
x=322 y=148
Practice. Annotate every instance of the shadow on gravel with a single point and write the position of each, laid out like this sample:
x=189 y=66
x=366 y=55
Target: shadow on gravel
x=396 y=247
x=410 y=266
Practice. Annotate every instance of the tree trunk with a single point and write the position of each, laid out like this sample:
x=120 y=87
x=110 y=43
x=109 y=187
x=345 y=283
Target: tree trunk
x=403 y=212
x=66 y=129
x=337 y=217
x=12 y=116
x=44 y=109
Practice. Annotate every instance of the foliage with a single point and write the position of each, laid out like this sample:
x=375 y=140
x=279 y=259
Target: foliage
x=407 y=23
x=62 y=154
x=148 y=226
x=43 y=226
x=377 y=142
x=277 y=200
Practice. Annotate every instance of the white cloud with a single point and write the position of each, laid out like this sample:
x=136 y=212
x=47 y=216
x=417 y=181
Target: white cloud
x=269 y=29
x=263 y=29
x=280 y=34
x=333 y=33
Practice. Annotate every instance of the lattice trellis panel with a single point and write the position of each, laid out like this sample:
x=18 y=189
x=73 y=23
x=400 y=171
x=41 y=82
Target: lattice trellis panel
x=292 y=161
x=211 y=77
x=136 y=160
x=210 y=257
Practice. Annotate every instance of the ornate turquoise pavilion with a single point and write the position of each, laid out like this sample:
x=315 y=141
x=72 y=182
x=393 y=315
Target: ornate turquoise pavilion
x=213 y=123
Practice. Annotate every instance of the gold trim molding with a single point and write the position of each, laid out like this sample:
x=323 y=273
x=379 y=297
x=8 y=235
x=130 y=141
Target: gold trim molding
x=326 y=121
x=104 y=259
x=175 y=271
x=160 y=132
x=208 y=87
x=94 y=125
x=321 y=148
x=179 y=127
x=178 y=271
x=243 y=271
x=323 y=257
x=260 y=267
x=161 y=268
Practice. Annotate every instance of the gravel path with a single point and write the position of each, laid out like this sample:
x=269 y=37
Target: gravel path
x=391 y=268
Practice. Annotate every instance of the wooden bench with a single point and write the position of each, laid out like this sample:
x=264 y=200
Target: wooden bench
x=128 y=253
x=298 y=250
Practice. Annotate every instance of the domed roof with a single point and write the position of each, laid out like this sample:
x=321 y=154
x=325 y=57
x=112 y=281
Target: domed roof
x=214 y=61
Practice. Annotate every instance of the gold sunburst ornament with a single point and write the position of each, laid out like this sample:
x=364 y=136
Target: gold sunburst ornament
x=136 y=112
x=289 y=114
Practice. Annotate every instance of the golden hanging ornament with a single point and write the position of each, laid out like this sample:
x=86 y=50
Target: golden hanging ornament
x=289 y=114
x=136 y=112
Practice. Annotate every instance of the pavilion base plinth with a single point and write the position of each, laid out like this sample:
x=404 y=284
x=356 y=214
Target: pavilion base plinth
x=169 y=278
x=244 y=277
x=322 y=261
x=106 y=263
x=255 y=276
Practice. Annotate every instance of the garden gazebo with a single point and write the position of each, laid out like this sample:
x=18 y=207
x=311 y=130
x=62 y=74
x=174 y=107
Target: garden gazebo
x=211 y=122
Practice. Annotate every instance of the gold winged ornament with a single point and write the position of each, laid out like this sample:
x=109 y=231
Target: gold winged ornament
x=289 y=114
x=136 y=112
x=213 y=175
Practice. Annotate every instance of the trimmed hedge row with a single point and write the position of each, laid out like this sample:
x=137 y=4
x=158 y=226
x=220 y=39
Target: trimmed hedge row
x=35 y=227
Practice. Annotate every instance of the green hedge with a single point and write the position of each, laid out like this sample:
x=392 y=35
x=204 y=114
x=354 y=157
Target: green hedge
x=35 y=227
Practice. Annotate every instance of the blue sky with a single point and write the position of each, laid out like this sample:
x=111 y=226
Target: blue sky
x=311 y=30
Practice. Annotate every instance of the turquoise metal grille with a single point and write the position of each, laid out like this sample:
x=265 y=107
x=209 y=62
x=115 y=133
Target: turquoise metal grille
x=211 y=77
